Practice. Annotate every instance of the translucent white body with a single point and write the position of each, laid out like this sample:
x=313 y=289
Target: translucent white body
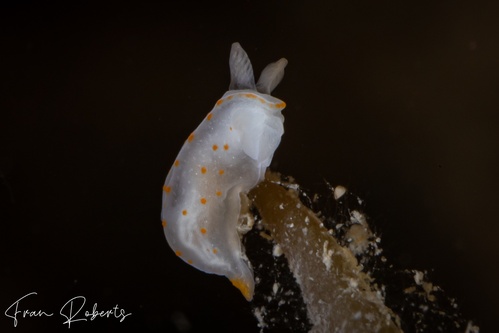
x=226 y=155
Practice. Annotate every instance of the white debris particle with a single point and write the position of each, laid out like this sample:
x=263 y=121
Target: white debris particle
x=245 y=223
x=353 y=283
x=292 y=186
x=470 y=328
x=277 y=251
x=358 y=237
x=370 y=316
x=307 y=220
x=305 y=231
x=281 y=206
x=291 y=225
x=339 y=225
x=275 y=288
x=298 y=205
x=326 y=256
x=380 y=296
x=259 y=314
x=418 y=277
x=339 y=191
x=357 y=217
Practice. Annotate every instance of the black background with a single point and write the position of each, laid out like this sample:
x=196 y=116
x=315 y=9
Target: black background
x=398 y=101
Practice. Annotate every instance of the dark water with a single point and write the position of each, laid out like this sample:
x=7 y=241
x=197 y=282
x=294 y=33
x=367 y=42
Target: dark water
x=397 y=102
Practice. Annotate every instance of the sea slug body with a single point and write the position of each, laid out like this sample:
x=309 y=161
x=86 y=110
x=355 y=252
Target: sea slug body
x=225 y=156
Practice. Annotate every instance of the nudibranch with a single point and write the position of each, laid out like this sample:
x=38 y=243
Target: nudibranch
x=225 y=156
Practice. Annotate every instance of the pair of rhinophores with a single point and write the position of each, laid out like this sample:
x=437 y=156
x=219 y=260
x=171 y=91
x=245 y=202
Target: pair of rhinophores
x=226 y=155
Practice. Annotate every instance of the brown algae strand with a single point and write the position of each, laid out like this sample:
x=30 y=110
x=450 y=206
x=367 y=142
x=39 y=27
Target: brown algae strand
x=337 y=293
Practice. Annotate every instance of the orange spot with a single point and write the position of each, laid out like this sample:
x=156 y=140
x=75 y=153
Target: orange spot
x=189 y=262
x=203 y=230
x=280 y=105
x=167 y=189
x=203 y=201
x=230 y=128
x=229 y=98
x=249 y=95
x=226 y=147
x=178 y=253
x=243 y=288
x=184 y=212
x=261 y=100
x=208 y=117
x=203 y=170
x=215 y=251
x=221 y=172
x=190 y=138
x=214 y=147
x=220 y=101
x=177 y=163
x=219 y=193
x=163 y=223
